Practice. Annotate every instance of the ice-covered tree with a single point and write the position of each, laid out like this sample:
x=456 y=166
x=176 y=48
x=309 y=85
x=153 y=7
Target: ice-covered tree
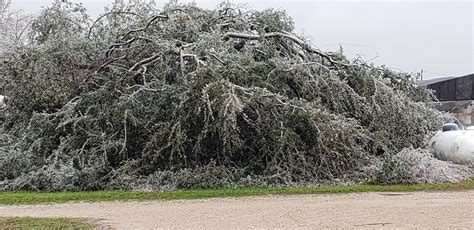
x=188 y=97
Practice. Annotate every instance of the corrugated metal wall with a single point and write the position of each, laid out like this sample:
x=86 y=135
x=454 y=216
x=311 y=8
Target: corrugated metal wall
x=456 y=89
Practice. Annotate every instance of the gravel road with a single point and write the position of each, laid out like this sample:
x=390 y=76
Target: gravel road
x=427 y=210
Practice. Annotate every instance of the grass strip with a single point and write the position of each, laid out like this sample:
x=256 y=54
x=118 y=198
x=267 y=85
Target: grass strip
x=11 y=198
x=43 y=223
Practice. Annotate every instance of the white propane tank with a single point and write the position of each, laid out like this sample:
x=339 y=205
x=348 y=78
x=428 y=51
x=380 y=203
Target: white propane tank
x=453 y=144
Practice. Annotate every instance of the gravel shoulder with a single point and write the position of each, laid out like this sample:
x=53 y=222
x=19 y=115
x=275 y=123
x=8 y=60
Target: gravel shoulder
x=430 y=210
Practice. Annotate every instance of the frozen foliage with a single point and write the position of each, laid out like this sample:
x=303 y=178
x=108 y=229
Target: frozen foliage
x=185 y=97
x=419 y=166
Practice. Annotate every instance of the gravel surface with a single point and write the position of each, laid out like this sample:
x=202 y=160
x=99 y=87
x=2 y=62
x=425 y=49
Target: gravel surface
x=427 y=210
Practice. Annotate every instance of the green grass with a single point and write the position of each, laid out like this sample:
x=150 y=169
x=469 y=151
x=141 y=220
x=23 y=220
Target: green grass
x=10 y=198
x=43 y=223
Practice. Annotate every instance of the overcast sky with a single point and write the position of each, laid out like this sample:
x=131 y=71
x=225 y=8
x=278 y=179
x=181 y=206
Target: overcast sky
x=436 y=36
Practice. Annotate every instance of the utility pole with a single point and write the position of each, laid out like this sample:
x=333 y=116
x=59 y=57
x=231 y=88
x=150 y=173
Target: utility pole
x=421 y=75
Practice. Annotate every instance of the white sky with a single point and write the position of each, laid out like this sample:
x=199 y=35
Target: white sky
x=436 y=36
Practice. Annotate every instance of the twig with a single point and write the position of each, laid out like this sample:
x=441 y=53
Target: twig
x=124 y=145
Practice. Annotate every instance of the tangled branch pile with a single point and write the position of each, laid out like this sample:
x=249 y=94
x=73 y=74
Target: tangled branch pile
x=189 y=97
x=411 y=166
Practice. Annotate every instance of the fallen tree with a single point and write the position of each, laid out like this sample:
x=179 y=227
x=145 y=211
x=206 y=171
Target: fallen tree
x=187 y=97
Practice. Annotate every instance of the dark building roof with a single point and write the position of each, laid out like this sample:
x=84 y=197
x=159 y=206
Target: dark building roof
x=434 y=80
x=451 y=88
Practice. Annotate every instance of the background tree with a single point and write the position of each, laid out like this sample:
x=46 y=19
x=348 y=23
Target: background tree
x=13 y=25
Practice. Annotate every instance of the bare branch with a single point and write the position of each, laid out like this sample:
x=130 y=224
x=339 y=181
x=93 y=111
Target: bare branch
x=145 y=62
x=108 y=14
x=293 y=38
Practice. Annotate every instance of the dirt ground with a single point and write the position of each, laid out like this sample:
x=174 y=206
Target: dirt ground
x=427 y=210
